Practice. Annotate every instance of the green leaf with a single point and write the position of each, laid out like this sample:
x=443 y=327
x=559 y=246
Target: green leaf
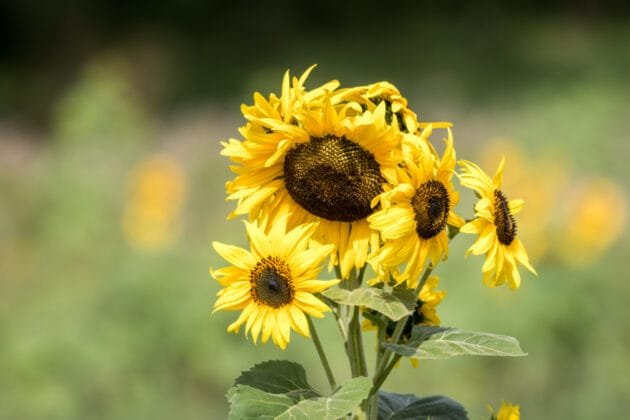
x=279 y=377
x=251 y=403
x=453 y=342
x=398 y=407
x=395 y=305
x=339 y=404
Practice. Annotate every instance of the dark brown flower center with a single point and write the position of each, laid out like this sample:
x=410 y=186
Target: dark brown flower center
x=333 y=178
x=271 y=282
x=431 y=205
x=503 y=219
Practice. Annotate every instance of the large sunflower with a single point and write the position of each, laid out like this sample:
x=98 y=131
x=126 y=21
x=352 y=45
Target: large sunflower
x=326 y=163
x=416 y=210
x=495 y=226
x=273 y=285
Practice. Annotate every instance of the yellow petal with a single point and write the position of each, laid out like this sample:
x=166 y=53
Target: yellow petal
x=235 y=255
x=515 y=206
x=498 y=176
x=258 y=241
x=298 y=320
x=284 y=323
x=310 y=304
x=315 y=286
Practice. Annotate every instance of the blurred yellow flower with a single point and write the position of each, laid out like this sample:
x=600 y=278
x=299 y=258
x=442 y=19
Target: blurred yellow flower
x=506 y=412
x=495 y=227
x=575 y=222
x=274 y=284
x=156 y=193
x=594 y=214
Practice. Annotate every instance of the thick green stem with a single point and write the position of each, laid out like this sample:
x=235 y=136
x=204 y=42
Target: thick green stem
x=322 y=355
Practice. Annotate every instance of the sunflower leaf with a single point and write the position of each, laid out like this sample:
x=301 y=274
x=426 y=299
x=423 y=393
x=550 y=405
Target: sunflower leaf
x=394 y=305
x=279 y=377
x=247 y=402
x=397 y=407
x=429 y=343
x=339 y=404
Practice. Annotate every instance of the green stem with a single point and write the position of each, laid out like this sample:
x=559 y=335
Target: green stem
x=379 y=381
x=322 y=355
x=384 y=366
x=352 y=349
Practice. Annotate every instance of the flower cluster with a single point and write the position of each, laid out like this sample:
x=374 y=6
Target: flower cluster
x=352 y=175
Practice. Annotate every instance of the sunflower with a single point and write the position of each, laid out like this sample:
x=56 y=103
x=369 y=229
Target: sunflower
x=506 y=412
x=273 y=285
x=416 y=210
x=326 y=163
x=495 y=226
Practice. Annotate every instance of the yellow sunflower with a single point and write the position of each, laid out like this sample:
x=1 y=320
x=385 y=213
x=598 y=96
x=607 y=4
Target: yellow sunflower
x=495 y=226
x=506 y=412
x=325 y=163
x=416 y=210
x=273 y=285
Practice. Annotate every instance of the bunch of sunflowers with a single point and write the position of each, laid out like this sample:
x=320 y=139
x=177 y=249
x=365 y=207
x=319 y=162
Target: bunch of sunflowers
x=352 y=177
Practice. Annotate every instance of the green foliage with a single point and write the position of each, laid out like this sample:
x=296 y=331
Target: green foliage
x=429 y=343
x=247 y=402
x=340 y=403
x=279 y=377
x=394 y=305
x=279 y=389
x=406 y=406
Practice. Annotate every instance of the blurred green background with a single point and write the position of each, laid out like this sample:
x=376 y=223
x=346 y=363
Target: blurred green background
x=111 y=191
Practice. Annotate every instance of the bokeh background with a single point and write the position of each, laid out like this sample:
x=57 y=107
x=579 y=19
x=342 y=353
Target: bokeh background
x=111 y=191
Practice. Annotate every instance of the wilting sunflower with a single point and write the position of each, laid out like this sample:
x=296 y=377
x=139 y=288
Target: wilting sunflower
x=325 y=163
x=495 y=226
x=506 y=412
x=415 y=212
x=273 y=285
x=157 y=191
x=397 y=112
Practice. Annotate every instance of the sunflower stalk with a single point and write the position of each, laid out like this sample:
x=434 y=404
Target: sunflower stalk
x=321 y=354
x=384 y=365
